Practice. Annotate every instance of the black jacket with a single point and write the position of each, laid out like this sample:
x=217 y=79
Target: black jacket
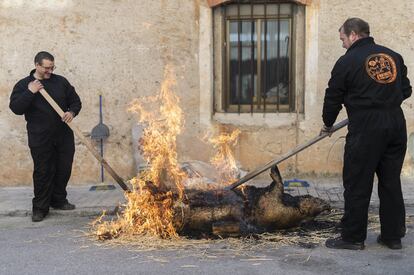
x=368 y=76
x=43 y=124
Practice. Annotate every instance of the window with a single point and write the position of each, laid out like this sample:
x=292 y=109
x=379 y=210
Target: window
x=257 y=57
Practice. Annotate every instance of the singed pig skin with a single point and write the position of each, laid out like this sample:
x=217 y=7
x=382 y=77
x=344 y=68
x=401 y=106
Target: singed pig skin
x=251 y=210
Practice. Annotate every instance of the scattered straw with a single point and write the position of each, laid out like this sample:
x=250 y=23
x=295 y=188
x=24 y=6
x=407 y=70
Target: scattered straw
x=308 y=235
x=311 y=234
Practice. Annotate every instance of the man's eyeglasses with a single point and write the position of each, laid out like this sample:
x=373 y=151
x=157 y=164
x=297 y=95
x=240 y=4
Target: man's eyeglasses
x=48 y=68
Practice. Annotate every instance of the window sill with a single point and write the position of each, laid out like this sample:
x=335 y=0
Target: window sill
x=257 y=119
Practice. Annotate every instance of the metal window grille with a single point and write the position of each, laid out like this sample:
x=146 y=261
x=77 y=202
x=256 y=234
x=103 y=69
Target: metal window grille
x=257 y=54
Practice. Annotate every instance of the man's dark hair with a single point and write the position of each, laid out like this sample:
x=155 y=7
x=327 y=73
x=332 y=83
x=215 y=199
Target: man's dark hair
x=43 y=55
x=357 y=25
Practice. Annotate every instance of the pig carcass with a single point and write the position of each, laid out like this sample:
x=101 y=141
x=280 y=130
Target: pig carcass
x=245 y=210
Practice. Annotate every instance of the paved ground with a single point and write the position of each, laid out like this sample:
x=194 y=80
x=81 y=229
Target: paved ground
x=17 y=201
x=59 y=244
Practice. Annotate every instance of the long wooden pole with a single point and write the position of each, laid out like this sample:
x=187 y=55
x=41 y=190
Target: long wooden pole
x=85 y=141
x=293 y=152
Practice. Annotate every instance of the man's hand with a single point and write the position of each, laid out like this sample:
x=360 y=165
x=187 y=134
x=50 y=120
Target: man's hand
x=68 y=117
x=35 y=86
x=325 y=129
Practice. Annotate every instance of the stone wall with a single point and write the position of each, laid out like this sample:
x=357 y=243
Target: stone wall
x=119 y=49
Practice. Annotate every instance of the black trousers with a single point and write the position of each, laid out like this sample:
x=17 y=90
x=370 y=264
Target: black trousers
x=376 y=143
x=52 y=170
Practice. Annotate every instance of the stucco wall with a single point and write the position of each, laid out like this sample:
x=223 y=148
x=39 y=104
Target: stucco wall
x=115 y=48
x=391 y=24
x=119 y=49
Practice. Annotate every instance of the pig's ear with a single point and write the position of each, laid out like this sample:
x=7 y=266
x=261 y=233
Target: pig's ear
x=277 y=178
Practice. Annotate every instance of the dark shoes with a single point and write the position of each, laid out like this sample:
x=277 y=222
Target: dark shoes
x=38 y=216
x=339 y=243
x=391 y=244
x=66 y=206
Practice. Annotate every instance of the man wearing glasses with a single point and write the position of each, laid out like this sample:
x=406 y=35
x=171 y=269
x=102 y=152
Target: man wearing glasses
x=51 y=141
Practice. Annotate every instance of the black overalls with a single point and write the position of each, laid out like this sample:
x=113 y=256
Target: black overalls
x=371 y=82
x=50 y=140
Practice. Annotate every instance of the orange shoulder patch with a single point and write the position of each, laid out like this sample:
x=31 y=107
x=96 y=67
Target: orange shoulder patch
x=381 y=67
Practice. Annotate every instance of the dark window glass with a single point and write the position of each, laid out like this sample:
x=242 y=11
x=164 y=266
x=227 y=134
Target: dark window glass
x=242 y=69
x=255 y=84
x=276 y=65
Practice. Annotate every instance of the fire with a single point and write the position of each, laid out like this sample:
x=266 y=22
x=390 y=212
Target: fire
x=158 y=143
x=156 y=206
x=145 y=213
x=224 y=160
x=149 y=207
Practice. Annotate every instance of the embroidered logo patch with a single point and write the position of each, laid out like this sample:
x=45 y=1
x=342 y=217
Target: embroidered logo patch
x=381 y=67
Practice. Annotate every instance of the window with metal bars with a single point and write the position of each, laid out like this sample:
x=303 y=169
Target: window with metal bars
x=257 y=57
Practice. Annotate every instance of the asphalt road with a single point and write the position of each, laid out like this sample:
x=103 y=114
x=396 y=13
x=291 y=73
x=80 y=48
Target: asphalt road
x=60 y=245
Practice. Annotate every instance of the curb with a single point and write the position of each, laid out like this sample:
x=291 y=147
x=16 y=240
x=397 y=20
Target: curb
x=79 y=212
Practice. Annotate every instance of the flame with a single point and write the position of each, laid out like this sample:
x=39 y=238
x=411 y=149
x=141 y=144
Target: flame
x=145 y=213
x=149 y=207
x=158 y=143
x=159 y=190
x=224 y=160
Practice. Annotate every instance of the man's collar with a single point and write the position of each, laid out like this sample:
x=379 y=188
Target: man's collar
x=362 y=41
x=31 y=75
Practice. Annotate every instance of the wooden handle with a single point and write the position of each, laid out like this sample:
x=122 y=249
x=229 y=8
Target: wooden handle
x=293 y=152
x=85 y=141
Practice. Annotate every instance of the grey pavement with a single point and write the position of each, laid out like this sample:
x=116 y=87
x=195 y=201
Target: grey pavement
x=59 y=245
x=16 y=201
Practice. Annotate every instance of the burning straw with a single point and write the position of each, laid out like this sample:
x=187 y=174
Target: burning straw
x=149 y=207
